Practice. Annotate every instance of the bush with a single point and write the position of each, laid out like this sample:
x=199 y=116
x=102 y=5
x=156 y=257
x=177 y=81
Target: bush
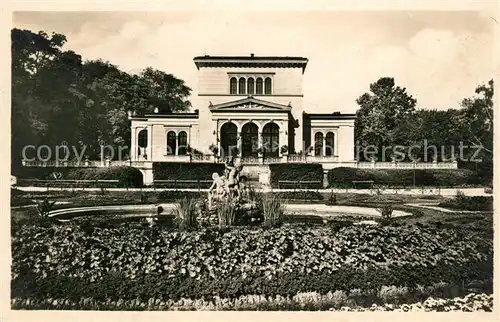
x=343 y=177
x=273 y=208
x=470 y=203
x=127 y=176
x=185 y=214
x=43 y=173
x=296 y=172
x=186 y=171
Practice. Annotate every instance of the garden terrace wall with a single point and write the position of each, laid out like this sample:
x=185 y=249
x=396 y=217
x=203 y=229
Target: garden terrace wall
x=343 y=177
x=186 y=171
x=297 y=172
x=126 y=176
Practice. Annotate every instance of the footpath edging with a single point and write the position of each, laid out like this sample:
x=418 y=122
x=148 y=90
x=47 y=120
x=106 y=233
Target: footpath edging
x=416 y=191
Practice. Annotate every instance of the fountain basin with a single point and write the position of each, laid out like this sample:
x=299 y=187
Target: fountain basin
x=144 y=211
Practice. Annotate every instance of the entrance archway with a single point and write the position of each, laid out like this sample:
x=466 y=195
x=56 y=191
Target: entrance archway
x=271 y=140
x=228 y=138
x=249 y=140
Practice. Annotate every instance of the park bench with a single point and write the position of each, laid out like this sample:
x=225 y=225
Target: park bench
x=69 y=183
x=370 y=182
x=298 y=184
x=199 y=184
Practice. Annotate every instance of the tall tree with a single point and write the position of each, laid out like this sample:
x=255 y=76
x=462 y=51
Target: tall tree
x=384 y=116
x=478 y=117
x=56 y=97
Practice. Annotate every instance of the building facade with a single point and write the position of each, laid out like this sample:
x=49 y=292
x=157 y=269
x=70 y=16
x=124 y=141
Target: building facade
x=246 y=105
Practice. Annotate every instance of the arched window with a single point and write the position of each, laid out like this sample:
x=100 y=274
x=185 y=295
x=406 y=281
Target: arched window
x=142 y=142
x=259 y=86
x=330 y=144
x=183 y=144
x=270 y=140
x=171 y=143
x=233 y=86
x=318 y=144
x=268 y=86
x=250 y=86
x=242 y=86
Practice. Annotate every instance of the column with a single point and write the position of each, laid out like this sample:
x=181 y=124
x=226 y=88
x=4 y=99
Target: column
x=150 y=143
x=283 y=140
x=133 y=144
x=324 y=145
x=176 y=143
x=239 y=143
x=313 y=142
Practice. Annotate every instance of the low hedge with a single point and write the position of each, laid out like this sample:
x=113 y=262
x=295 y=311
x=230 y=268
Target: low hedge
x=297 y=172
x=43 y=173
x=470 y=203
x=185 y=171
x=127 y=176
x=343 y=177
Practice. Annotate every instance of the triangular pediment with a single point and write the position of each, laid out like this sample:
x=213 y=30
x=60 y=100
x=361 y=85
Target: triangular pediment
x=250 y=104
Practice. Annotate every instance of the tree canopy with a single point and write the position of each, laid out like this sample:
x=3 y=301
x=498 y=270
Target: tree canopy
x=57 y=97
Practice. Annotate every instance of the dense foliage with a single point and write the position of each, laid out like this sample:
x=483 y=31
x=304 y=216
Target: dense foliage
x=297 y=172
x=391 y=299
x=127 y=176
x=58 y=97
x=470 y=203
x=228 y=263
x=185 y=171
x=343 y=177
x=388 y=117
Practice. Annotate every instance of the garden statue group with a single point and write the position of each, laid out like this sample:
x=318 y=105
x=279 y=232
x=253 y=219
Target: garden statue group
x=229 y=186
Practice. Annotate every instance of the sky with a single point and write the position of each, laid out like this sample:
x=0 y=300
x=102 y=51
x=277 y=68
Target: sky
x=440 y=57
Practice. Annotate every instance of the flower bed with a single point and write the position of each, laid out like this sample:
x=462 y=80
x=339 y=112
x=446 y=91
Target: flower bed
x=132 y=262
x=333 y=301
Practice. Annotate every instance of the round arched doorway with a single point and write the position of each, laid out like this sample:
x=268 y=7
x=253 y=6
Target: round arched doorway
x=228 y=138
x=271 y=140
x=249 y=140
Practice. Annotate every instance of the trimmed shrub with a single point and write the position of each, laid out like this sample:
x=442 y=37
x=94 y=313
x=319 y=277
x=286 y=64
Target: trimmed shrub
x=297 y=172
x=43 y=173
x=185 y=171
x=343 y=177
x=127 y=176
x=470 y=203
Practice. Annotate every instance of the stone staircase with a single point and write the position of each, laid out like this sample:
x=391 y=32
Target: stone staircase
x=258 y=175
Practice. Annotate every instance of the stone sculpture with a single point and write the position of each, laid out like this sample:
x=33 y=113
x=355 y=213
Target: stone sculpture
x=228 y=185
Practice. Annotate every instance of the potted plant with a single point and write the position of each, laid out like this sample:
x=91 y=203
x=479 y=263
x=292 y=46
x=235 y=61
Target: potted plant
x=284 y=149
x=214 y=149
x=260 y=150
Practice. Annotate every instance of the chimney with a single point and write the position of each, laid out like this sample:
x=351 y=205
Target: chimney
x=251 y=55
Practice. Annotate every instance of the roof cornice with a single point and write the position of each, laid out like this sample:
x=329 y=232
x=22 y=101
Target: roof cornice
x=251 y=61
